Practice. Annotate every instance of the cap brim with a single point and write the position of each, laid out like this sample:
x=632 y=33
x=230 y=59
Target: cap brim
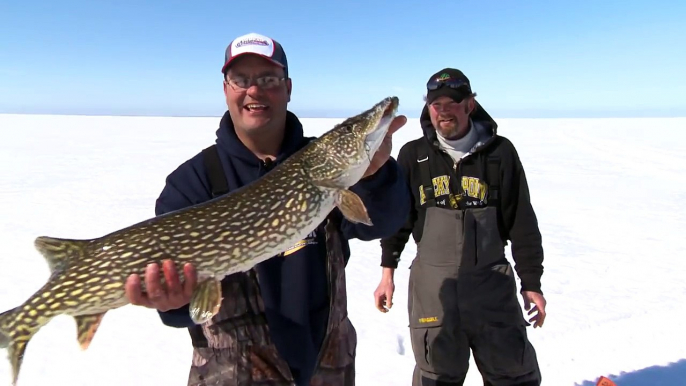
x=226 y=65
x=451 y=93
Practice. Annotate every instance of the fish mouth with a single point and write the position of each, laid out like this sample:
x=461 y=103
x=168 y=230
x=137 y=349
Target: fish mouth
x=376 y=135
x=388 y=113
x=391 y=109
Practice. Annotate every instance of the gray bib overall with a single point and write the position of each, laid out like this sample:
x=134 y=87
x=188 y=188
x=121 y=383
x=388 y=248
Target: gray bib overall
x=462 y=296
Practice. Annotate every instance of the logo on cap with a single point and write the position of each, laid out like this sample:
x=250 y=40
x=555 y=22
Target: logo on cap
x=443 y=77
x=252 y=41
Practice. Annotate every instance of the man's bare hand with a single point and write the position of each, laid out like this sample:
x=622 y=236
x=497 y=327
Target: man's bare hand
x=383 y=296
x=539 y=307
x=384 y=152
x=162 y=297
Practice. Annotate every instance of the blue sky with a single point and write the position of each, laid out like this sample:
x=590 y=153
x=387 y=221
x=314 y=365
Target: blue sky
x=524 y=58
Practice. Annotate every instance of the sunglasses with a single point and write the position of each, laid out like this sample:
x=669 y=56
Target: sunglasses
x=240 y=83
x=436 y=83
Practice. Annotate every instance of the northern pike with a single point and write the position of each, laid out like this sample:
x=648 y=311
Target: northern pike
x=228 y=234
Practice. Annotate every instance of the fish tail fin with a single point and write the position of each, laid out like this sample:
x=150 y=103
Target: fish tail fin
x=15 y=340
x=20 y=324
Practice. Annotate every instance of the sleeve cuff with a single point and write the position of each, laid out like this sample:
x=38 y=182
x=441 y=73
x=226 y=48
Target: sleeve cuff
x=390 y=259
x=531 y=282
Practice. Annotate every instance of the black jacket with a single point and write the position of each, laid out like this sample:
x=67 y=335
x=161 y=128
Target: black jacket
x=517 y=220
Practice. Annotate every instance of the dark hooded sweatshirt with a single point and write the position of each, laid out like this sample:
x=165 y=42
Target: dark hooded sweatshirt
x=517 y=221
x=294 y=288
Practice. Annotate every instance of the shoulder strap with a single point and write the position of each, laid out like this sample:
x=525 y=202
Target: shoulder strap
x=493 y=180
x=425 y=175
x=215 y=171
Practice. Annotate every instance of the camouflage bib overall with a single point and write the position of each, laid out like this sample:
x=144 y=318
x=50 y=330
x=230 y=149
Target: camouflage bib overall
x=235 y=348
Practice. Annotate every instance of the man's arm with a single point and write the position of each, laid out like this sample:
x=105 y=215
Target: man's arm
x=521 y=223
x=386 y=198
x=393 y=245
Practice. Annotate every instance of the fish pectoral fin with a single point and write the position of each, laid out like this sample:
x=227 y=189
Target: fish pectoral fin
x=86 y=326
x=206 y=300
x=353 y=208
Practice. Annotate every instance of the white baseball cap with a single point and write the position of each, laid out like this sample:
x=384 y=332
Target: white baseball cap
x=257 y=44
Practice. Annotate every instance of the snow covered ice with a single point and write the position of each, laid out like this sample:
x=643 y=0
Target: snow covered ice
x=608 y=193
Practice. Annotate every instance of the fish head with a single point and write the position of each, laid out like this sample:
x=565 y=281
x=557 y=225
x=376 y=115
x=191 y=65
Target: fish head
x=343 y=154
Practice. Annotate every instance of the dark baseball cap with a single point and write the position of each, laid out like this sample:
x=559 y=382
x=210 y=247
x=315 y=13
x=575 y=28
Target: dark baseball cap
x=256 y=44
x=449 y=82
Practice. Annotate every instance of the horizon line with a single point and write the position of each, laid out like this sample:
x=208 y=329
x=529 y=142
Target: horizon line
x=580 y=115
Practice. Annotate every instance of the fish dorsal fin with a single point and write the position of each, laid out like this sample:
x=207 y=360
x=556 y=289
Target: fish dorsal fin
x=58 y=252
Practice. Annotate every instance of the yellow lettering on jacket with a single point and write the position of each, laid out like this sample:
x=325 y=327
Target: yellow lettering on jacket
x=474 y=187
x=441 y=185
